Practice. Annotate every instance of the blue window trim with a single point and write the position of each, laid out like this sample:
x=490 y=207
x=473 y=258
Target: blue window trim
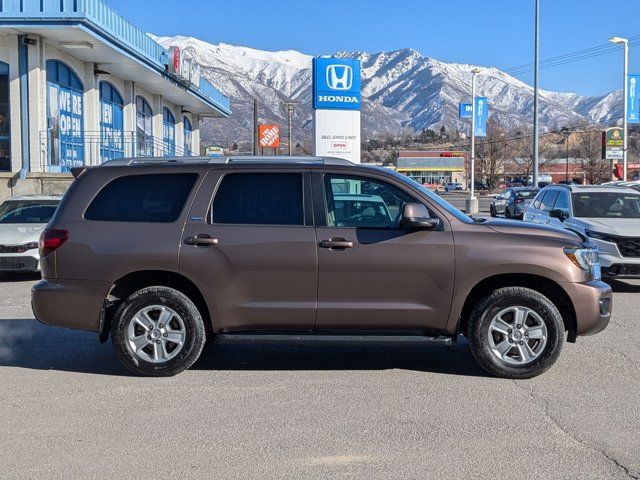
x=168 y=125
x=144 y=142
x=62 y=74
x=188 y=145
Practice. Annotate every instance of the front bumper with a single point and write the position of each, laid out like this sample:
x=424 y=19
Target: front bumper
x=613 y=263
x=592 y=302
x=69 y=303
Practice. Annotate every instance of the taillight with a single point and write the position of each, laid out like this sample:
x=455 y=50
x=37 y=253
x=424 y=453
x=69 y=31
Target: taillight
x=51 y=240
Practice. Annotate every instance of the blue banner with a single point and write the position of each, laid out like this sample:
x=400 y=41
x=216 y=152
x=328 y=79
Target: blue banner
x=336 y=84
x=464 y=110
x=633 y=99
x=481 y=113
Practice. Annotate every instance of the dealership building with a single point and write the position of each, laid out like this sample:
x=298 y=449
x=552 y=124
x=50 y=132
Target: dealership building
x=80 y=85
x=434 y=168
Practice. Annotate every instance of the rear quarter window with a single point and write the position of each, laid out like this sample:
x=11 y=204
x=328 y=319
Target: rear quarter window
x=155 y=198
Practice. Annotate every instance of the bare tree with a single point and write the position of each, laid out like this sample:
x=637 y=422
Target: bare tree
x=587 y=149
x=492 y=153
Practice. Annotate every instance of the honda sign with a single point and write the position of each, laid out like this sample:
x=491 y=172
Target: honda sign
x=336 y=84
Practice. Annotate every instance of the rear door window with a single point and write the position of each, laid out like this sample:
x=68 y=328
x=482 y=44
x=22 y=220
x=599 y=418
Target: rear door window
x=259 y=199
x=155 y=198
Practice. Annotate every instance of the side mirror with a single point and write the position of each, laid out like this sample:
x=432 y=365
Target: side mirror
x=559 y=214
x=416 y=215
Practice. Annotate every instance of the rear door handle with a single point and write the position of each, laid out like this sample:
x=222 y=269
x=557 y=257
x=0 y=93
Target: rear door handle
x=201 y=240
x=336 y=243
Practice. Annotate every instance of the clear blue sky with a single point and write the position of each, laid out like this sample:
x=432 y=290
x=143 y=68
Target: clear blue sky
x=489 y=33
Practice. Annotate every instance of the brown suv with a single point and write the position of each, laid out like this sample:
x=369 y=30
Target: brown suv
x=164 y=253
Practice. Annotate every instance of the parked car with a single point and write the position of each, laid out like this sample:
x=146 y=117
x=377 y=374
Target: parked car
x=632 y=184
x=161 y=253
x=608 y=215
x=513 y=202
x=22 y=219
x=453 y=187
x=479 y=186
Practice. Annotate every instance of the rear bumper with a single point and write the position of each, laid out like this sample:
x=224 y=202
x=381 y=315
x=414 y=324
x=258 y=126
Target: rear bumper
x=69 y=303
x=592 y=302
x=20 y=262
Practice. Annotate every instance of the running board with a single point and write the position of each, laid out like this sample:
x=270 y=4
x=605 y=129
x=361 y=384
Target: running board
x=320 y=339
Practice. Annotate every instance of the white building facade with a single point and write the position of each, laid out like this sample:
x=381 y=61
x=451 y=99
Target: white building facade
x=80 y=85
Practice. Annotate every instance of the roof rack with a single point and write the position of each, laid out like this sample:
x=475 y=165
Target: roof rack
x=258 y=159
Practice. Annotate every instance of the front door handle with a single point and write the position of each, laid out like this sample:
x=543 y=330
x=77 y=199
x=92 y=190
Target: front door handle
x=336 y=243
x=201 y=240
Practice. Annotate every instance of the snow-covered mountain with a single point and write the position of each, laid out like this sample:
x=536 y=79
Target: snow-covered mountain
x=402 y=91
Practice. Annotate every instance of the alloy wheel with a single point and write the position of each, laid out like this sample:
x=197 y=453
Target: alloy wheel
x=517 y=335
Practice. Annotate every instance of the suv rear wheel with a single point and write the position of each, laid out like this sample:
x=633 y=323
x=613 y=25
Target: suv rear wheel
x=516 y=333
x=158 y=332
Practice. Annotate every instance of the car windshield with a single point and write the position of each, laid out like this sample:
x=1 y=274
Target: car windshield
x=527 y=193
x=29 y=211
x=445 y=205
x=606 y=205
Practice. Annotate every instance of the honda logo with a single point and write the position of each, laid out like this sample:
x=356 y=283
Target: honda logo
x=339 y=77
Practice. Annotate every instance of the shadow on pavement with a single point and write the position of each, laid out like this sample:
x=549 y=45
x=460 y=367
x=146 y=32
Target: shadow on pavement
x=19 y=277
x=619 y=286
x=24 y=343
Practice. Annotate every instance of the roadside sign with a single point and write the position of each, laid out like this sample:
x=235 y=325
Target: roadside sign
x=481 y=112
x=464 y=110
x=214 y=151
x=633 y=99
x=612 y=143
x=269 y=136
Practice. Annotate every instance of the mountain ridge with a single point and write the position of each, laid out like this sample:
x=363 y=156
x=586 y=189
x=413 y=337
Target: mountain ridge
x=403 y=91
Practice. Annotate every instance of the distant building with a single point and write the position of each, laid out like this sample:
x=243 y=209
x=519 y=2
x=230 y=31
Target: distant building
x=435 y=167
x=80 y=85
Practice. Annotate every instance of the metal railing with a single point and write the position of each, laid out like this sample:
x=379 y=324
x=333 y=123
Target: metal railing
x=61 y=153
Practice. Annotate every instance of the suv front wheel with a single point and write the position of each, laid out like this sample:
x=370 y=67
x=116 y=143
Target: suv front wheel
x=158 y=332
x=516 y=333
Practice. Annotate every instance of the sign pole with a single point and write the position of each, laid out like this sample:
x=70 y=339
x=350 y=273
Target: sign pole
x=471 y=204
x=624 y=113
x=535 y=94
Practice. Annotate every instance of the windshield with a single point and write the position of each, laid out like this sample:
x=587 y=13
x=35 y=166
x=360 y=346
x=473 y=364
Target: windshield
x=29 y=211
x=527 y=193
x=445 y=205
x=606 y=205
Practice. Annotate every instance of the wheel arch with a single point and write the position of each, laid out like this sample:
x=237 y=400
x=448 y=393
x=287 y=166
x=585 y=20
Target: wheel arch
x=134 y=281
x=547 y=287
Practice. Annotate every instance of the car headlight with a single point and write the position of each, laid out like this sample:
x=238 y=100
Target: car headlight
x=585 y=258
x=600 y=236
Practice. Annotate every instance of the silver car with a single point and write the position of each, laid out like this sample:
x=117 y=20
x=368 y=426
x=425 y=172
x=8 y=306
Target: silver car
x=22 y=220
x=608 y=215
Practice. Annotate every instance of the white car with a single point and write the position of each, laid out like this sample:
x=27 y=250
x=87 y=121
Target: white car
x=609 y=215
x=22 y=219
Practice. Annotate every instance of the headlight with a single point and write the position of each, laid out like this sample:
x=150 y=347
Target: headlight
x=600 y=236
x=586 y=259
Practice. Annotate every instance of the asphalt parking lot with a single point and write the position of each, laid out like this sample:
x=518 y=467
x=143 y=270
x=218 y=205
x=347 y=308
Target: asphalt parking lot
x=69 y=410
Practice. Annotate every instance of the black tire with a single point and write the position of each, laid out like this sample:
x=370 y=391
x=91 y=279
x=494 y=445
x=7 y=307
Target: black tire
x=492 y=211
x=193 y=326
x=507 y=213
x=484 y=312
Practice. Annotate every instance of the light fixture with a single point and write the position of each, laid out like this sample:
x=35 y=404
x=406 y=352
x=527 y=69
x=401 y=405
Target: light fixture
x=77 y=45
x=618 y=40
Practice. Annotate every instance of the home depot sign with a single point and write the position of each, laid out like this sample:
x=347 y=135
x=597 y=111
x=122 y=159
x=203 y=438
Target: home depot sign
x=269 y=136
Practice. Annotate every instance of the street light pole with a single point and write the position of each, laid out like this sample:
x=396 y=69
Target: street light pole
x=625 y=44
x=535 y=94
x=472 y=201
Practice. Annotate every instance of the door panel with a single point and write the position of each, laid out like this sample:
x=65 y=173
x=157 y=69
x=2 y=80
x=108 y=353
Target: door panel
x=389 y=278
x=254 y=276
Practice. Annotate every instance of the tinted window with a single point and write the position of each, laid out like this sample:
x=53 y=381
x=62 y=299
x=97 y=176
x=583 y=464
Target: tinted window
x=549 y=199
x=259 y=199
x=562 y=202
x=363 y=202
x=16 y=211
x=606 y=205
x=142 y=198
